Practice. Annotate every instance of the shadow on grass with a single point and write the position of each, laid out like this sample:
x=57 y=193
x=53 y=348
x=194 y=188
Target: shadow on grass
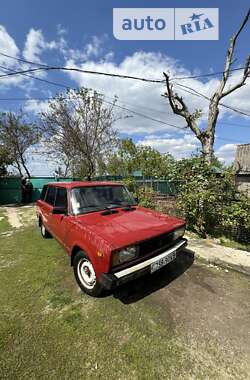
x=138 y=289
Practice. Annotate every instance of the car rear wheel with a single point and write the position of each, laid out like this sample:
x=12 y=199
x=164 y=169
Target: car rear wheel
x=44 y=232
x=85 y=275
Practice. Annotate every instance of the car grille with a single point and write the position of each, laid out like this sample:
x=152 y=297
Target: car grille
x=148 y=248
x=155 y=244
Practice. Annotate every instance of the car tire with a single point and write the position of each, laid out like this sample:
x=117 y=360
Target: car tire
x=44 y=232
x=85 y=275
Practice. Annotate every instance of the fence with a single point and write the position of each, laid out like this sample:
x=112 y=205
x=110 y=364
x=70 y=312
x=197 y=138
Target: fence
x=10 y=188
x=162 y=187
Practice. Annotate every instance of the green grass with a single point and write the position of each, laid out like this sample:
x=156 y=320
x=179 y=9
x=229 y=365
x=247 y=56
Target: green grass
x=4 y=224
x=50 y=330
x=233 y=244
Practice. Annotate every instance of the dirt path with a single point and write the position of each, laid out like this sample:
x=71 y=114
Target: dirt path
x=207 y=307
x=13 y=217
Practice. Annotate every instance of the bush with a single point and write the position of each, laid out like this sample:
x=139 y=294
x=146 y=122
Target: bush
x=146 y=197
x=208 y=199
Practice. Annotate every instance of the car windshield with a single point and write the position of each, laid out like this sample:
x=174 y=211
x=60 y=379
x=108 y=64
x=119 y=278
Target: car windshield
x=96 y=198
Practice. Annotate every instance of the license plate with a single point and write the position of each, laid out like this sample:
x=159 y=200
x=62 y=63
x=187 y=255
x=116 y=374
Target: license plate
x=162 y=262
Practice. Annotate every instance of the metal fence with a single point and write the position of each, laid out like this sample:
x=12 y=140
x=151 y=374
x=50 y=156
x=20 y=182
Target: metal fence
x=162 y=187
x=10 y=188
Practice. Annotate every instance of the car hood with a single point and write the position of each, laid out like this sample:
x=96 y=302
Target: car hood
x=128 y=227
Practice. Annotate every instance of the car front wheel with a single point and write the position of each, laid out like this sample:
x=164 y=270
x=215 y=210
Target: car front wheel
x=85 y=275
x=44 y=232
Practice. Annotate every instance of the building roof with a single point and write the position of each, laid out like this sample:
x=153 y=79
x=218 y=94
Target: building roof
x=242 y=159
x=70 y=185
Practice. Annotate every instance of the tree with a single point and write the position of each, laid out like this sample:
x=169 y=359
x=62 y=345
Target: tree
x=179 y=107
x=16 y=137
x=123 y=160
x=5 y=160
x=152 y=163
x=78 y=130
x=130 y=157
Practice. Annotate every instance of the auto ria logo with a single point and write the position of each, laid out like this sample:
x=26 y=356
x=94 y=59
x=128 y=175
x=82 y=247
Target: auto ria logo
x=166 y=23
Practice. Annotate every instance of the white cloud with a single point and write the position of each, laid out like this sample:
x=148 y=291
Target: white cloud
x=36 y=44
x=8 y=46
x=178 y=147
x=145 y=97
x=61 y=30
x=35 y=106
x=226 y=153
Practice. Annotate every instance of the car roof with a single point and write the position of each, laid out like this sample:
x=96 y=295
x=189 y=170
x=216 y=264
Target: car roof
x=71 y=185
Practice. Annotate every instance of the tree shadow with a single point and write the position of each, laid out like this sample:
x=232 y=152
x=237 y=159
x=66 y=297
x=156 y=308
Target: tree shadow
x=138 y=289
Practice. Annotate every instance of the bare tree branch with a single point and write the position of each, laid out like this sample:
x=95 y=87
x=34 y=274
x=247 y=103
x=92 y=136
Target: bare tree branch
x=179 y=107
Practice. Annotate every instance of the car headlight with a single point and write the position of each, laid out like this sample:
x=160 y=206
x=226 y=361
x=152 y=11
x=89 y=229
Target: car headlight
x=179 y=232
x=125 y=254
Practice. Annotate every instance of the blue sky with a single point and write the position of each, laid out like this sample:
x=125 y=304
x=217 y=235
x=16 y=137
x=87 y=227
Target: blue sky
x=79 y=33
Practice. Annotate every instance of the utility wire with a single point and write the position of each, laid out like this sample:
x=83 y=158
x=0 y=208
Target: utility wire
x=121 y=102
x=174 y=78
x=76 y=69
x=112 y=75
x=206 y=75
x=68 y=87
x=34 y=77
x=47 y=68
x=192 y=91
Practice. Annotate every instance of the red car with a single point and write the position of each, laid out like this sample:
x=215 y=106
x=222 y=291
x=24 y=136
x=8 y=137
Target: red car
x=109 y=238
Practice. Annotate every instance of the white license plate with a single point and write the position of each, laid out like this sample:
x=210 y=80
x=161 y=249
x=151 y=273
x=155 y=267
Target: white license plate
x=162 y=262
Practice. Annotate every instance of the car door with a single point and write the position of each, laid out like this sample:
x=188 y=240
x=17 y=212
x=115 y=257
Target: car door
x=48 y=207
x=61 y=221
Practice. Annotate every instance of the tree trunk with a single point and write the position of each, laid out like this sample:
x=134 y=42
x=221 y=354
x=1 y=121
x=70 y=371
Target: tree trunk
x=24 y=166
x=207 y=143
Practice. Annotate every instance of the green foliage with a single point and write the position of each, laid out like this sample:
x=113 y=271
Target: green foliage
x=123 y=160
x=146 y=197
x=237 y=213
x=131 y=157
x=79 y=131
x=209 y=200
x=16 y=137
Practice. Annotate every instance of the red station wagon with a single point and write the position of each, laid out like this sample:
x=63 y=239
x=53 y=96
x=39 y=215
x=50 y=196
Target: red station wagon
x=109 y=238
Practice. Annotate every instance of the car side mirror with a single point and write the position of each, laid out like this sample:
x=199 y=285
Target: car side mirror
x=59 y=210
x=136 y=199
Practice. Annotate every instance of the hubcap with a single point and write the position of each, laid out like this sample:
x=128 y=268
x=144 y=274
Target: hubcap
x=86 y=273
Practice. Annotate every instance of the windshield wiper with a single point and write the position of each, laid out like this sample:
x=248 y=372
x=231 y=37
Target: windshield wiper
x=128 y=207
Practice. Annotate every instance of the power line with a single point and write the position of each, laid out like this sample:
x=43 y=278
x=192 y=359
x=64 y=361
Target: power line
x=206 y=75
x=34 y=77
x=23 y=60
x=174 y=78
x=121 y=102
x=47 y=68
x=68 y=87
x=76 y=69
x=199 y=94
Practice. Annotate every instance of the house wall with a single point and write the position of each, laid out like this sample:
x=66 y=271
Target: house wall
x=243 y=184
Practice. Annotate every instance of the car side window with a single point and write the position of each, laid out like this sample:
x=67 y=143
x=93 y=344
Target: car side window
x=61 y=198
x=50 y=196
x=43 y=193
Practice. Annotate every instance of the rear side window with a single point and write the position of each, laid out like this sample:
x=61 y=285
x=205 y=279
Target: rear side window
x=50 y=196
x=61 y=198
x=43 y=193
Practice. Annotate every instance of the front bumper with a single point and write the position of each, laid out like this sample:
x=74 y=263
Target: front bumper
x=109 y=281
